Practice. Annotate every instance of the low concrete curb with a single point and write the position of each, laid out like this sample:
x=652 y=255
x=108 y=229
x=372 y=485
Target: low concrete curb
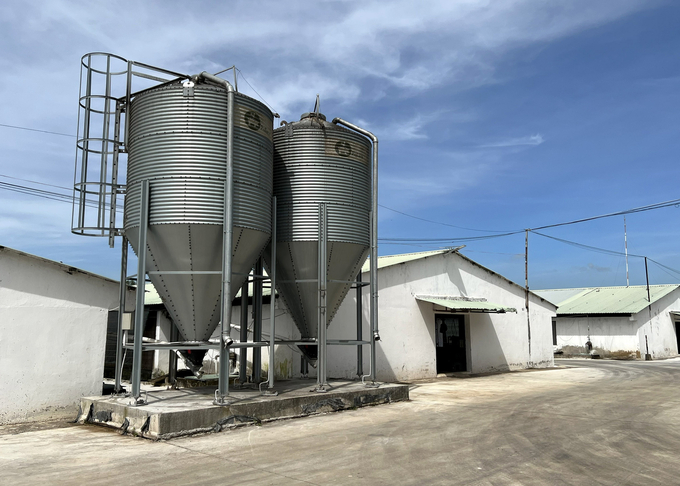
x=175 y=413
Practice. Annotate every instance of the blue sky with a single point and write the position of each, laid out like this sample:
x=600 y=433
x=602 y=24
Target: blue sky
x=495 y=116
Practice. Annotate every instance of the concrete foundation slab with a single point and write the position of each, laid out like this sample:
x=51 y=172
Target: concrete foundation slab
x=175 y=413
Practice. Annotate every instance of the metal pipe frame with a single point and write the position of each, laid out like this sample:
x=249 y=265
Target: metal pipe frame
x=375 y=335
x=243 y=356
x=257 y=321
x=181 y=345
x=106 y=180
x=360 y=322
x=121 y=311
x=139 y=307
x=172 y=357
x=227 y=244
x=272 y=302
x=322 y=317
x=114 y=176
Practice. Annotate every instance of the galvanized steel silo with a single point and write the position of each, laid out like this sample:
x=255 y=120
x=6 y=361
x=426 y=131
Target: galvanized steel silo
x=178 y=141
x=318 y=162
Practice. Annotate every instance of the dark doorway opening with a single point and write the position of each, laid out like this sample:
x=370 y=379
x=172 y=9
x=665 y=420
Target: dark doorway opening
x=451 y=343
x=677 y=334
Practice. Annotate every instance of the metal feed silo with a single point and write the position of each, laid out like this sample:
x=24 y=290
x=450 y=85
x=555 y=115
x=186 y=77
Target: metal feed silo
x=177 y=140
x=317 y=163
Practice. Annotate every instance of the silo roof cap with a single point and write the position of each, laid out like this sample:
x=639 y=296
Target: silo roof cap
x=313 y=115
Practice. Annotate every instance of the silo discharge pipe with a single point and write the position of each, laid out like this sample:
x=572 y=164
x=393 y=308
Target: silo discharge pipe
x=375 y=335
x=227 y=243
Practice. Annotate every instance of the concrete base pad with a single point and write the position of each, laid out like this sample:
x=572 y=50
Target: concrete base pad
x=174 y=413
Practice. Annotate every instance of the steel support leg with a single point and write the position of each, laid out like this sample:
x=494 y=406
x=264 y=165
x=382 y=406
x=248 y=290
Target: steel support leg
x=272 y=306
x=227 y=245
x=257 y=321
x=139 y=307
x=243 y=352
x=172 y=356
x=304 y=367
x=321 y=383
x=121 y=311
x=360 y=331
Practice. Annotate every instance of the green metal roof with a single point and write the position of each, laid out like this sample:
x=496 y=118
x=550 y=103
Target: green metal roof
x=465 y=304
x=389 y=260
x=605 y=300
x=151 y=296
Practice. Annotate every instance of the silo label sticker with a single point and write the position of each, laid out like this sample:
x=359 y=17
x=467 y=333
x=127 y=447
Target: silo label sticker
x=252 y=120
x=347 y=150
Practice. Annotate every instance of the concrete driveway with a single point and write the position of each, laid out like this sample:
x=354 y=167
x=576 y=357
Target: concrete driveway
x=590 y=422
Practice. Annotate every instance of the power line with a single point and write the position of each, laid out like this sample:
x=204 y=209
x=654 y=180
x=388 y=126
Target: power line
x=596 y=249
x=649 y=207
x=586 y=247
x=437 y=222
x=36 y=130
x=36 y=182
x=50 y=195
x=251 y=87
x=446 y=240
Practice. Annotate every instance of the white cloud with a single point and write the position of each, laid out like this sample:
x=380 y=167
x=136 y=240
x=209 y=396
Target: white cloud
x=536 y=139
x=352 y=53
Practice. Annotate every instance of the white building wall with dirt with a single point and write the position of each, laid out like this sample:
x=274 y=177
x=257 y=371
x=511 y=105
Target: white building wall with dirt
x=651 y=330
x=407 y=348
x=52 y=335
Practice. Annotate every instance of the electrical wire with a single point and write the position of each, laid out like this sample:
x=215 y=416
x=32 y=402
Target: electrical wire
x=437 y=222
x=447 y=240
x=36 y=130
x=649 y=207
x=35 y=182
x=587 y=247
x=258 y=94
x=605 y=251
x=53 y=196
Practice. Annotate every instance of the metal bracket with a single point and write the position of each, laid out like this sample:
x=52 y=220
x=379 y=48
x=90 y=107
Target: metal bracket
x=138 y=402
x=188 y=89
x=221 y=401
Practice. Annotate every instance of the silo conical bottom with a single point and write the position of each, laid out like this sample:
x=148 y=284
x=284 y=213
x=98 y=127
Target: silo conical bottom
x=298 y=260
x=193 y=301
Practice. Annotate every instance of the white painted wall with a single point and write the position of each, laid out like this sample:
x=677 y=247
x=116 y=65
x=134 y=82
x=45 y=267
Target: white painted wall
x=619 y=335
x=407 y=348
x=612 y=334
x=52 y=334
x=660 y=327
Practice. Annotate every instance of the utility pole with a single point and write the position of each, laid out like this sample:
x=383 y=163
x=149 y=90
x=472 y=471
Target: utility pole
x=526 y=286
x=649 y=297
x=625 y=241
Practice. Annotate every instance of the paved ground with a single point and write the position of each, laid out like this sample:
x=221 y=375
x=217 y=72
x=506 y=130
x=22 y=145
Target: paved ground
x=594 y=422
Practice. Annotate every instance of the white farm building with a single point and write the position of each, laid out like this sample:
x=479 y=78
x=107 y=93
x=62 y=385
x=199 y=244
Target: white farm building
x=439 y=312
x=617 y=321
x=53 y=321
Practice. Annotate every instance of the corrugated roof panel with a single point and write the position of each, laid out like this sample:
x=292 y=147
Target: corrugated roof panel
x=465 y=305
x=558 y=296
x=389 y=260
x=151 y=296
x=606 y=300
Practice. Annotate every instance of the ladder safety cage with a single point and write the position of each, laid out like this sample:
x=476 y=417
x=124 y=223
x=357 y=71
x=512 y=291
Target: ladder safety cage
x=106 y=88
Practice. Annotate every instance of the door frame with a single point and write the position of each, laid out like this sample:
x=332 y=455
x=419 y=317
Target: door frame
x=468 y=338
